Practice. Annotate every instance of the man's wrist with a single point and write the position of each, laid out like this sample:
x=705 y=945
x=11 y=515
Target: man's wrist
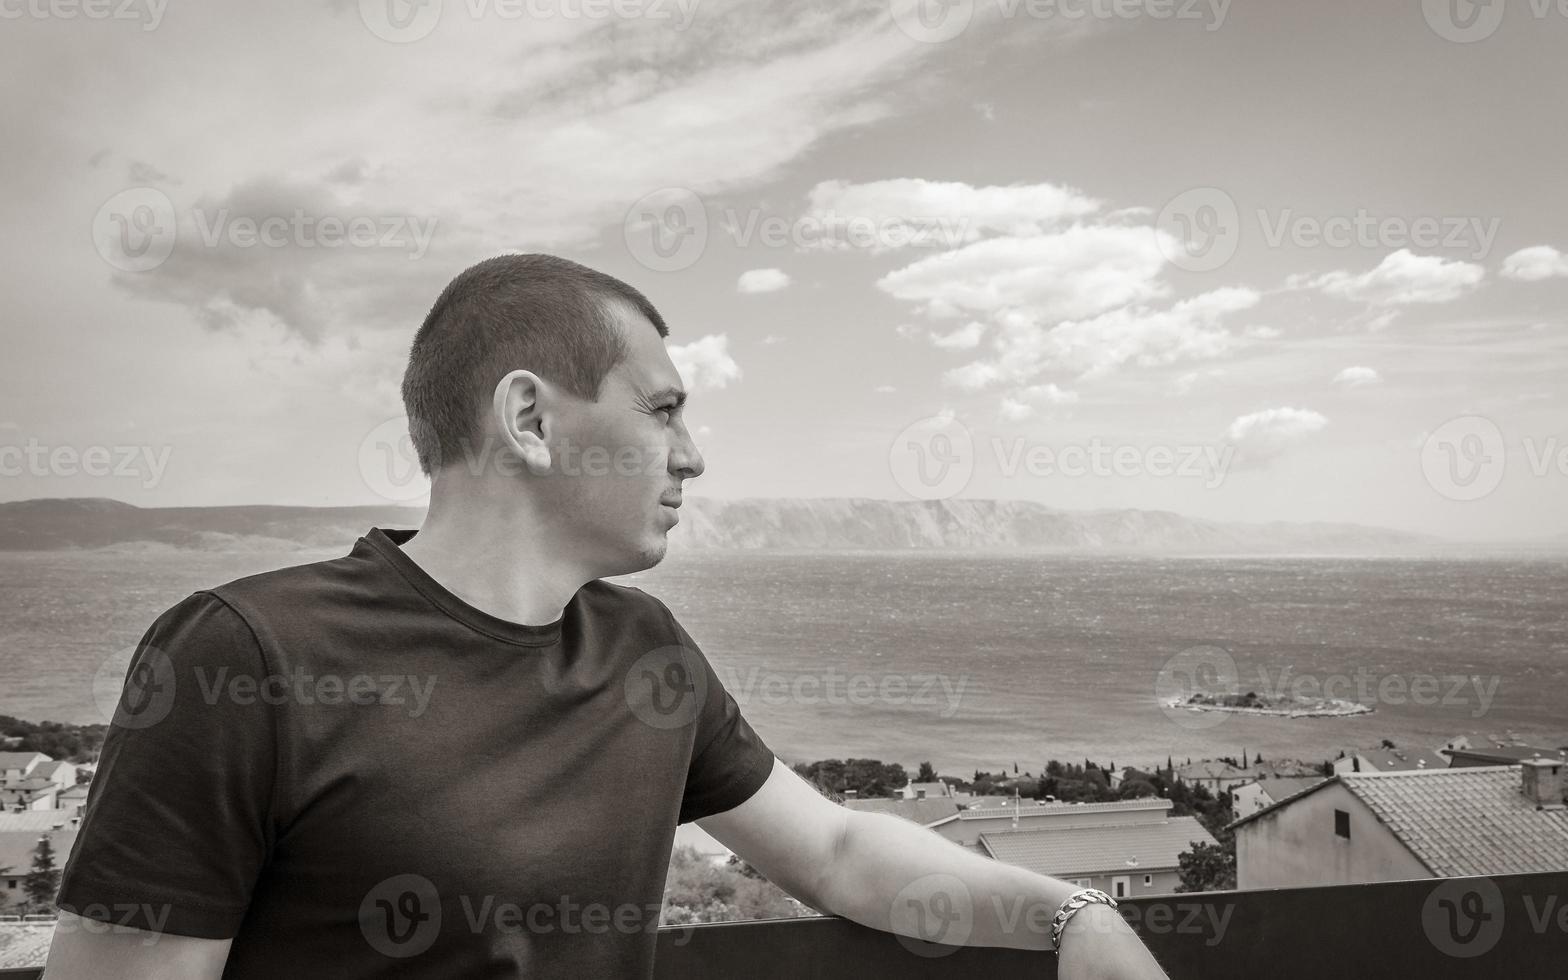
x=1092 y=920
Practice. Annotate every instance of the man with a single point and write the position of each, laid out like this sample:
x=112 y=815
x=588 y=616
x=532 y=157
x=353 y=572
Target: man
x=458 y=752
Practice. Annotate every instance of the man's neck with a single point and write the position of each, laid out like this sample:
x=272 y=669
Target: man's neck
x=507 y=568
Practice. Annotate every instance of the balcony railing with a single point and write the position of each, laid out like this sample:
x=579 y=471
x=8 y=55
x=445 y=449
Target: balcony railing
x=1514 y=926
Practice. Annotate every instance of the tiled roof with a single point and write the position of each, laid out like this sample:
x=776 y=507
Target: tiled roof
x=46 y=770
x=1098 y=850
x=24 y=946
x=1402 y=760
x=1056 y=809
x=19 y=760
x=1511 y=753
x=1282 y=788
x=1211 y=769
x=924 y=812
x=1474 y=820
x=36 y=820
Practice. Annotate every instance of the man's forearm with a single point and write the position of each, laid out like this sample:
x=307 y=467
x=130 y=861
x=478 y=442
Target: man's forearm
x=895 y=875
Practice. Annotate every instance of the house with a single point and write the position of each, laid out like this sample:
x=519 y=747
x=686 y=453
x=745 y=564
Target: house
x=1124 y=860
x=1217 y=776
x=915 y=791
x=1124 y=847
x=1251 y=797
x=1415 y=823
x=1390 y=760
x=62 y=774
x=30 y=794
x=40 y=821
x=1503 y=755
x=17 y=766
x=16 y=858
x=926 y=811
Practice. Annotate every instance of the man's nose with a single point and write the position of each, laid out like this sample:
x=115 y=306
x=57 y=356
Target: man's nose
x=684 y=457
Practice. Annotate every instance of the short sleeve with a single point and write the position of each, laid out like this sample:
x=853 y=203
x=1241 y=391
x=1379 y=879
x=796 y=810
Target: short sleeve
x=177 y=824
x=730 y=761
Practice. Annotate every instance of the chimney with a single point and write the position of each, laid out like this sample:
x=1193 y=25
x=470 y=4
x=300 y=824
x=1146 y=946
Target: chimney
x=1543 y=783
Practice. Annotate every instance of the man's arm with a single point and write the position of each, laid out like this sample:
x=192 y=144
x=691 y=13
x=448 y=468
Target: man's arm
x=891 y=874
x=84 y=949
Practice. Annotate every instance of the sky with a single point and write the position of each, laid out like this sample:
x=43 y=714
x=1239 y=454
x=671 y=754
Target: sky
x=1242 y=261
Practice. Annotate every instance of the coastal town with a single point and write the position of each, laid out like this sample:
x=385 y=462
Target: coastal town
x=1375 y=813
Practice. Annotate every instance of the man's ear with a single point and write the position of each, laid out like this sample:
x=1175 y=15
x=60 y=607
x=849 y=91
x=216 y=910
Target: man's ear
x=518 y=410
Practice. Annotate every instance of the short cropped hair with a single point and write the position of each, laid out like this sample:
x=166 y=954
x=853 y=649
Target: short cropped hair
x=542 y=313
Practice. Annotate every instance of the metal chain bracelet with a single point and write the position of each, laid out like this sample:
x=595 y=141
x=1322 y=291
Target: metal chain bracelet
x=1077 y=900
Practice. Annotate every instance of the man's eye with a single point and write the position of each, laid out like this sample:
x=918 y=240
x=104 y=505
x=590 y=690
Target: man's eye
x=668 y=412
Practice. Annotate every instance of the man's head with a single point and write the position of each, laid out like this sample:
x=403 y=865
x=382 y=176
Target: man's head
x=539 y=382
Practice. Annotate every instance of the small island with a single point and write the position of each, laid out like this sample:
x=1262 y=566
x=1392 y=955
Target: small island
x=1253 y=703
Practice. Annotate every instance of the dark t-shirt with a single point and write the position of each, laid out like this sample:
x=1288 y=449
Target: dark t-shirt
x=356 y=774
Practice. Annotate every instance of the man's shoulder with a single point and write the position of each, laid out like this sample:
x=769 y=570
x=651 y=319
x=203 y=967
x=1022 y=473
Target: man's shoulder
x=629 y=604
x=295 y=589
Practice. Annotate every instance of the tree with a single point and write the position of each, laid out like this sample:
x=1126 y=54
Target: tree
x=1132 y=789
x=1208 y=867
x=43 y=881
x=867 y=777
x=926 y=773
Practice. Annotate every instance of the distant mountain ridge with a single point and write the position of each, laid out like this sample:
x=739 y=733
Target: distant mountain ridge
x=827 y=524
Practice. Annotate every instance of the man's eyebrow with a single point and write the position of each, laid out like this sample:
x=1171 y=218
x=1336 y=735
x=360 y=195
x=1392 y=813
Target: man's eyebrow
x=671 y=392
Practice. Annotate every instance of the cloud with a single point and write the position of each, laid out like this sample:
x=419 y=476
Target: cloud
x=1353 y=377
x=884 y=389
x=1022 y=403
x=884 y=215
x=1263 y=436
x=705 y=364
x=525 y=148
x=1401 y=278
x=1078 y=272
x=1184 y=384
x=1535 y=263
x=966 y=337
x=300 y=255
x=1093 y=347
x=762 y=281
